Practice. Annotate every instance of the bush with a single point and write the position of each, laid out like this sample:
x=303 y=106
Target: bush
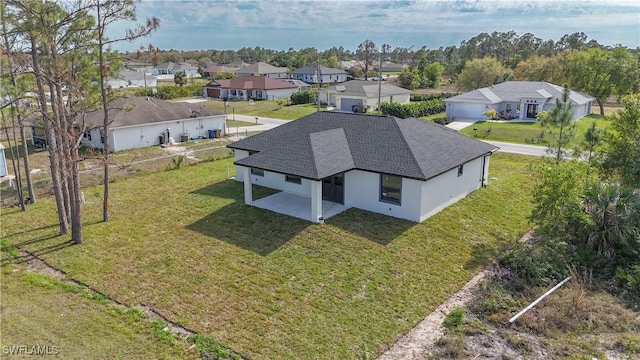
x=425 y=97
x=171 y=92
x=303 y=97
x=454 y=319
x=416 y=109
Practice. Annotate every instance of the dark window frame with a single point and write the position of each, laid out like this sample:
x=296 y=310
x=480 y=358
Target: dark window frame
x=460 y=170
x=293 y=179
x=257 y=172
x=383 y=197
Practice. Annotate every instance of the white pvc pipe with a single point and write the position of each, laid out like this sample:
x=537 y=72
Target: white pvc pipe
x=538 y=300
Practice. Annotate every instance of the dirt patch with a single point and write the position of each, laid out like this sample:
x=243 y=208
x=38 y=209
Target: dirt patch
x=179 y=150
x=421 y=340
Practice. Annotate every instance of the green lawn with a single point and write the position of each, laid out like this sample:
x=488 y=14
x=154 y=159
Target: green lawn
x=66 y=320
x=524 y=132
x=268 y=285
x=265 y=108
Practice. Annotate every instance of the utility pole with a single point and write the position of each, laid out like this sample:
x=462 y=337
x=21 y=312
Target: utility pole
x=380 y=81
x=318 y=84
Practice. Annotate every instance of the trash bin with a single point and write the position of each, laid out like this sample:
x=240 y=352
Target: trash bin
x=218 y=132
x=184 y=137
x=161 y=139
x=212 y=134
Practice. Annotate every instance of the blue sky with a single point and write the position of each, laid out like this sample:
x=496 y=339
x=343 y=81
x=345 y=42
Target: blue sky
x=275 y=24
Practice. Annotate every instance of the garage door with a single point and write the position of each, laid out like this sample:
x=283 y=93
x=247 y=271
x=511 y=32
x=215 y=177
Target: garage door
x=470 y=111
x=213 y=93
x=347 y=104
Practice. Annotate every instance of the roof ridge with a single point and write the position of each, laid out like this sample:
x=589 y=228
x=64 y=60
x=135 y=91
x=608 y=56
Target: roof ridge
x=413 y=157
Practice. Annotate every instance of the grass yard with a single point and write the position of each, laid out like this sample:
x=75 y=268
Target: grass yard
x=523 y=132
x=42 y=310
x=267 y=285
x=265 y=108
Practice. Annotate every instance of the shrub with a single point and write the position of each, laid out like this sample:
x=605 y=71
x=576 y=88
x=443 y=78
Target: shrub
x=171 y=92
x=303 y=97
x=454 y=319
x=415 y=109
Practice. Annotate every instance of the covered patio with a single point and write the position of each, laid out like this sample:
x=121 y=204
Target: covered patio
x=297 y=206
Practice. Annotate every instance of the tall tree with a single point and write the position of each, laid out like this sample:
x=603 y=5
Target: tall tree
x=622 y=143
x=108 y=13
x=483 y=72
x=367 y=53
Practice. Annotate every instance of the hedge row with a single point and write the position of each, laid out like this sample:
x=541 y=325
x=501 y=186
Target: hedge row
x=416 y=109
x=425 y=97
x=172 y=92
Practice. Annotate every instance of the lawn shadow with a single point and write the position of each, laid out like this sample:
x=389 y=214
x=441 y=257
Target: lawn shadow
x=378 y=228
x=251 y=228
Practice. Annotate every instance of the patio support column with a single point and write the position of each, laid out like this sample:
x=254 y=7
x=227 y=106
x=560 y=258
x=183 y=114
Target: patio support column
x=316 y=200
x=248 y=191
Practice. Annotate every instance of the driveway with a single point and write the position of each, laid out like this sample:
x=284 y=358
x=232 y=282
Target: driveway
x=459 y=124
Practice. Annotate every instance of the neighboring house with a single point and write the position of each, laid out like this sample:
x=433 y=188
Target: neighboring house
x=406 y=168
x=516 y=100
x=249 y=87
x=392 y=67
x=166 y=71
x=130 y=78
x=362 y=94
x=3 y=162
x=136 y=65
x=212 y=71
x=302 y=86
x=309 y=74
x=264 y=69
x=139 y=122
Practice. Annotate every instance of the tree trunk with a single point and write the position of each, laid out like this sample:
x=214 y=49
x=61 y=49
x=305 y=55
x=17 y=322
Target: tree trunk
x=105 y=123
x=27 y=166
x=16 y=167
x=601 y=105
x=51 y=140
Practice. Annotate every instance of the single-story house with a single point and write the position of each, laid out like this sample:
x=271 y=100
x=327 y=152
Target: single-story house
x=521 y=100
x=309 y=74
x=130 y=78
x=140 y=121
x=392 y=67
x=212 y=71
x=264 y=69
x=361 y=93
x=406 y=168
x=166 y=71
x=302 y=86
x=249 y=87
x=136 y=65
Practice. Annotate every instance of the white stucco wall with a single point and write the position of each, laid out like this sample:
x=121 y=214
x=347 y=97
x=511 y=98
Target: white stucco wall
x=139 y=136
x=362 y=190
x=446 y=189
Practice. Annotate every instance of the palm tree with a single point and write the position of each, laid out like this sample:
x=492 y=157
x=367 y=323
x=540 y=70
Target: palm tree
x=614 y=212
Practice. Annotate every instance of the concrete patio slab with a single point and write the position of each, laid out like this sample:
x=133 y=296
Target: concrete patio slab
x=297 y=206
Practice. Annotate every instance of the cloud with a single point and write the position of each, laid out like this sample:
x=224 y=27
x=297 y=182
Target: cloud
x=280 y=24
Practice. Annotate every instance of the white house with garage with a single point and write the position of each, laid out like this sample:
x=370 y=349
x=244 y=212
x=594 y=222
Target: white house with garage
x=139 y=122
x=362 y=94
x=311 y=73
x=327 y=162
x=521 y=100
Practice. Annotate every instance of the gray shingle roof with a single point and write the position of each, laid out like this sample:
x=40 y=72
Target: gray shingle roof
x=313 y=70
x=261 y=68
x=365 y=88
x=140 y=110
x=513 y=91
x=327 y=143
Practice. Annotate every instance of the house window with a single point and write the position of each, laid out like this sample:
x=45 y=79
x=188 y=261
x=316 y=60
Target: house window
x=257 y=172
x=460 y=170
x=233 y=92
x=293 y=179
x=508 y=107
x=390 y=188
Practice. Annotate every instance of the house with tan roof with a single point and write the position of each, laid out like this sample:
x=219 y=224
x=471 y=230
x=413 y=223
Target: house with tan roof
x=264 y=69
x=249 y=87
